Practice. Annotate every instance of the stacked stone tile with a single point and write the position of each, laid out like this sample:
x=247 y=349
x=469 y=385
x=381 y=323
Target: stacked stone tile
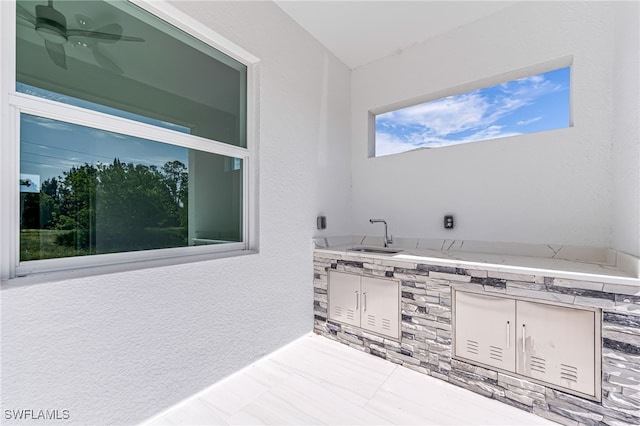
x=426 y=341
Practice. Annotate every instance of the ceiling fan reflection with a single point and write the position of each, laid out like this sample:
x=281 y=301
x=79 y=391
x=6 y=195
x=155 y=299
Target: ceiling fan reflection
x=51 y=25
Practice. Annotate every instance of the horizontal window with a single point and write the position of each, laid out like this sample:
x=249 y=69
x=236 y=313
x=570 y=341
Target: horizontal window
x=129 y=135
x=123 y=58
x=86 y=191
x=527 y=105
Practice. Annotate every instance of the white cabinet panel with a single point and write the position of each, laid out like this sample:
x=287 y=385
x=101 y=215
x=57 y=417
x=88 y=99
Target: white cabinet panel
x=557 y=345
x=380 y=307
x=370 y=303
x=344 y=298
x=485 y=329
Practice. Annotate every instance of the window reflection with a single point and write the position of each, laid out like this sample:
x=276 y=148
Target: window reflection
x=87 y=191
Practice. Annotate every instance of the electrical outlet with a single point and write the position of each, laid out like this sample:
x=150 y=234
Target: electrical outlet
x=448 y=222
x=321 y=222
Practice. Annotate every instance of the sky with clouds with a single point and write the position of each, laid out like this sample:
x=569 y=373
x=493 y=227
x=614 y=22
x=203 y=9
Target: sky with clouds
x=49 y=147
x=527 y=105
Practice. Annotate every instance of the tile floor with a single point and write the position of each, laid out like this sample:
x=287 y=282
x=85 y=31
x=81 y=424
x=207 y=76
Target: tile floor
x=318 y=381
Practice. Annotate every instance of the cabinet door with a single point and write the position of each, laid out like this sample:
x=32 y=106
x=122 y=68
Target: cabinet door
x=485 y=329
x=381 y=306
x=557 y=345
x=344 y=298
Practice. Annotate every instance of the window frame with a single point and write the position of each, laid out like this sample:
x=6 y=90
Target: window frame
x=540 y=68
x=13 y=104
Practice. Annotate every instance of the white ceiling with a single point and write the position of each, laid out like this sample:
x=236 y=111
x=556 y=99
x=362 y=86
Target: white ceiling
x=359 y=32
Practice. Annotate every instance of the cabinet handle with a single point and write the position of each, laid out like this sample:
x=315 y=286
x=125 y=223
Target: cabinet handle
x=508 y=334
x=365 y=301
x=524 y=337
x=357 y=299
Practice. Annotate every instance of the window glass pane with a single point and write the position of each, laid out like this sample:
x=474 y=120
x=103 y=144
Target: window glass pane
x=88 y=191
x=527 y=105
x=119 y=56
x=47 y=94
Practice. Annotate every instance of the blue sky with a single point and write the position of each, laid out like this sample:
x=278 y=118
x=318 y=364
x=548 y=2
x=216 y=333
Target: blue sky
x=527 y=105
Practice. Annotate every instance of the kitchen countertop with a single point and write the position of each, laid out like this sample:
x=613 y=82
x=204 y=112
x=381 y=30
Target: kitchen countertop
x=518 y=264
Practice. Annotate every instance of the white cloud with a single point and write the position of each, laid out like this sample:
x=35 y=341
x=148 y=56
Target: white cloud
x=529 y=121
x=105 y=134
x=48 y=123
x=387 y=144
x=443 y=117
x=475 y=114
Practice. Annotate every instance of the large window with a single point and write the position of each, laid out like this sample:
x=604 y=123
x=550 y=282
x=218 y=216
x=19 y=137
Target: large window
x=132 y=136
x=527 y=105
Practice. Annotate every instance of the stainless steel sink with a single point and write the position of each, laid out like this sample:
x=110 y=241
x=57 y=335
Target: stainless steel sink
x=379 y=250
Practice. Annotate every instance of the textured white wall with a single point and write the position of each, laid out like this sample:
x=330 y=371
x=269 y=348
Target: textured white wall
x=552 y=187
x=119 y=348
x=626 y=129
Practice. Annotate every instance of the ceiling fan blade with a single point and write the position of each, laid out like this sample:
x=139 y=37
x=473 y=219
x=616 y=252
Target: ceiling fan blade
x=51 y=15
x=105 y=62
x=25 y=23
x=56 y=53
x=115 y=29
x=25 y=15
x=106 y=37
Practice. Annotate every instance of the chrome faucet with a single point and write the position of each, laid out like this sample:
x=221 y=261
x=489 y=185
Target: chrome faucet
x=387 y=239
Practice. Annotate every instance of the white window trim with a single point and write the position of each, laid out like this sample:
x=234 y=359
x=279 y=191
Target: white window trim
x=12 y=104
x=540 y=68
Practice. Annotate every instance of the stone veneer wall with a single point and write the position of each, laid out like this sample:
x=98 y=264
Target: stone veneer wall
x=426 y=342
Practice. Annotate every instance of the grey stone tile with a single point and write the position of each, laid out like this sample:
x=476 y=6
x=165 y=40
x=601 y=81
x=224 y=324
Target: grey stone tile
x=451 y=277
x=631 y=290
x=511 y=276
x=633 y=339
x=523 y=399
x=620 y=319
x=594 y=302
x=521 y=383
x=623 y=404
x=436 y=268
x=620 y=346
x=492 y=289
x=492 y=282
x=575 y=413
x=627 y=308
x=542 y=295
x=477 y=273
x=526 y=285
x=480 y=371
x=536 y=396
x=543 y=411
x=398 y=264
x=625 y=379
x=584 y=285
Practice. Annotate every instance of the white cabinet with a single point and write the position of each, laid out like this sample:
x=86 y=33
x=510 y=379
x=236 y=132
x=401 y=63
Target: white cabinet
x=370 y=303
x=380 y=306
x=486 y=329
x=558 y=345
x=344 y=298
x=553 y=344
